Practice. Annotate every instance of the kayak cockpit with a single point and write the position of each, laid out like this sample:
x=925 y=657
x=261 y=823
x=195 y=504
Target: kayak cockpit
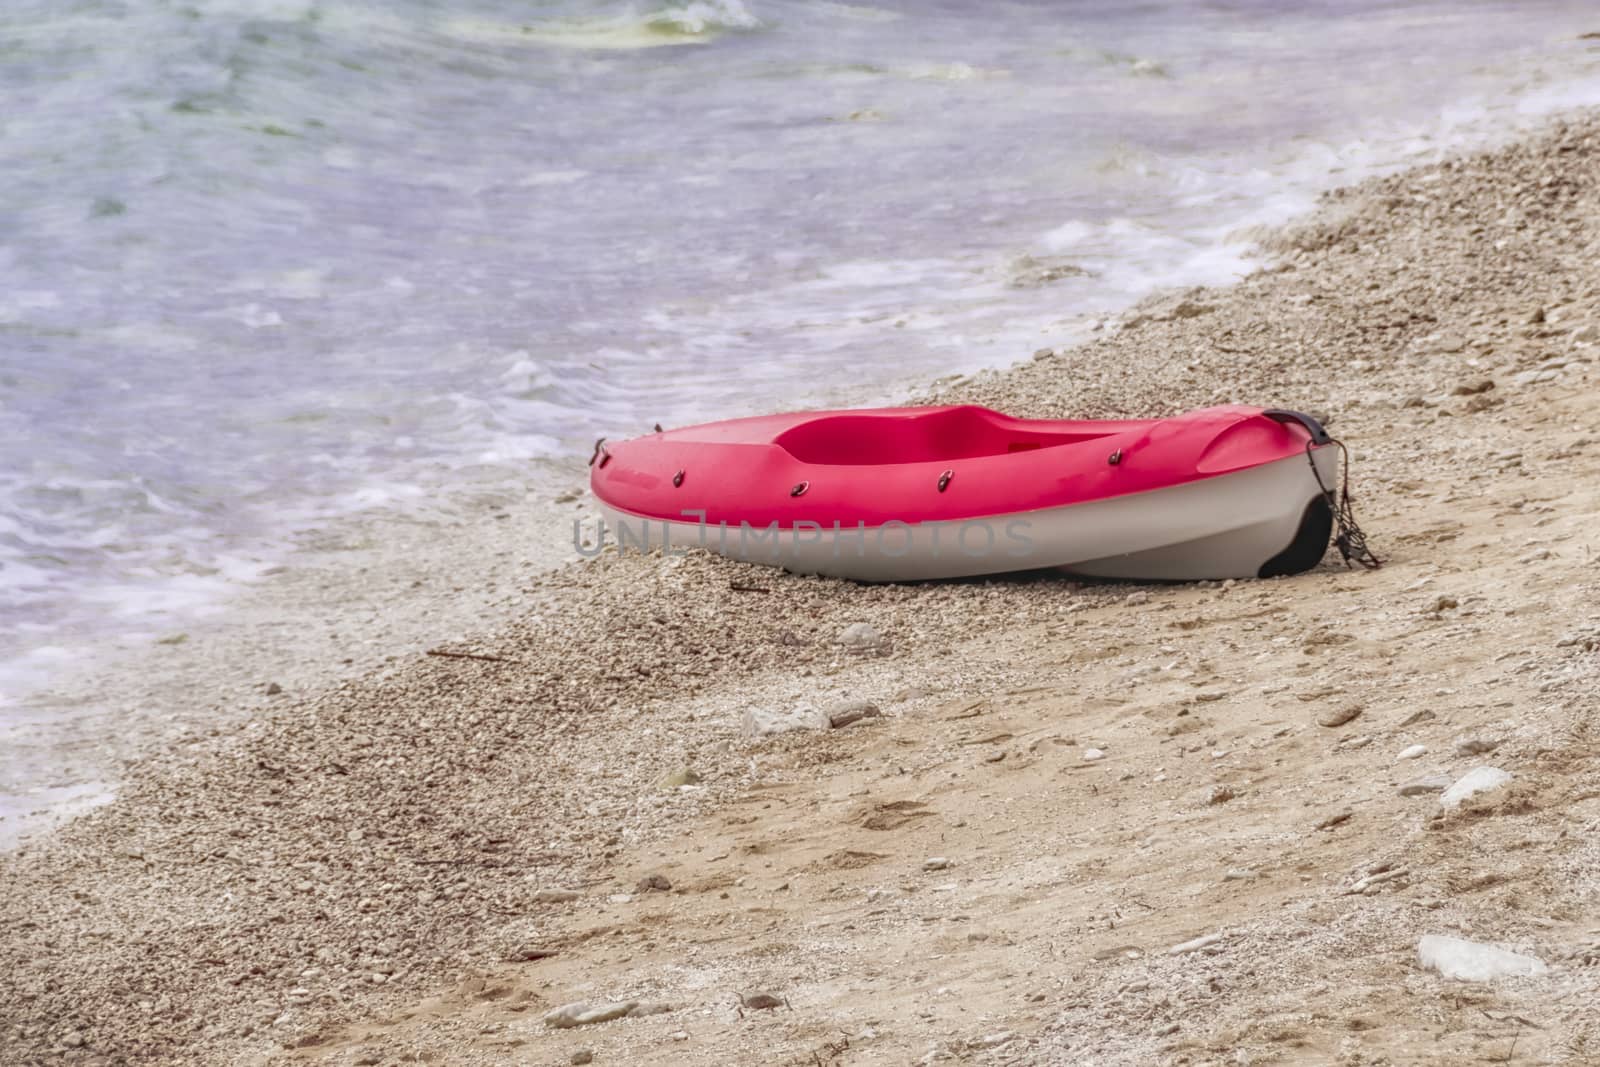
x=894 y=437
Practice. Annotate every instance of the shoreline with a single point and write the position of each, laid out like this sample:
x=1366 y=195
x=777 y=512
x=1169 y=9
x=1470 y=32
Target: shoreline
x=360 y=873
x=210 y=669
x=354 y=599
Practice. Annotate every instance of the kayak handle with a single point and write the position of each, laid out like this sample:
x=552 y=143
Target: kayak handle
x=1319 y=436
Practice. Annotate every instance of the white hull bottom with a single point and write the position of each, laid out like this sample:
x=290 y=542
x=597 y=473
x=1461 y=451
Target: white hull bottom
x=1229 y=526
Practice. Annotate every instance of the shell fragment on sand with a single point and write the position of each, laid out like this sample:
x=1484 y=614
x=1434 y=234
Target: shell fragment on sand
x=679 y=779
x=584 y=1014
x=1196 y=945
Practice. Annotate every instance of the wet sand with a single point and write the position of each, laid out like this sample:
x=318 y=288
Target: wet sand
x=420 y=863
x=352 y=599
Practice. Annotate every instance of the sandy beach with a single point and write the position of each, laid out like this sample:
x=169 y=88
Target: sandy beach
x=1089 y=823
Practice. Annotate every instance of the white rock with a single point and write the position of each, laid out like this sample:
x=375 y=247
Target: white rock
x=1092 y=754
x=860 y=635
x=994 y=1040
x=935 y=863
x=1470 y=961
x=1413 y=752
x=765 y=722
x=583 y=1014
x=1476 y=781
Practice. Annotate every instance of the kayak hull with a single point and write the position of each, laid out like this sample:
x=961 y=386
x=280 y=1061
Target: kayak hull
x=1232 y=526
x=1223 y=493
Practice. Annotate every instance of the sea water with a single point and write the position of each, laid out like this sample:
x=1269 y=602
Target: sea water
x=266 y=264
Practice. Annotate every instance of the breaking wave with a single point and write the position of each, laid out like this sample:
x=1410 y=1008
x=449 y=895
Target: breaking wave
x=696 y=22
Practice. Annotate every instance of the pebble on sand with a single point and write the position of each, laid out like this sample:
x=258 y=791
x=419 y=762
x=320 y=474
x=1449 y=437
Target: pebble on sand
x=768 y=722
x=762 y=1001
x=1339 y=716
x=1476 y=781
x=861 y=637
x=936 y=863
x=556 y=896
x=1470 y=961
x=1413 y=752
x=581 y=1056
x=1092 y=754
x=1429 y=783
x=848 y=714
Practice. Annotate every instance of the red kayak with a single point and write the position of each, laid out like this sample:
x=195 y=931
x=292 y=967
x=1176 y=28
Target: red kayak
x=898 y=494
